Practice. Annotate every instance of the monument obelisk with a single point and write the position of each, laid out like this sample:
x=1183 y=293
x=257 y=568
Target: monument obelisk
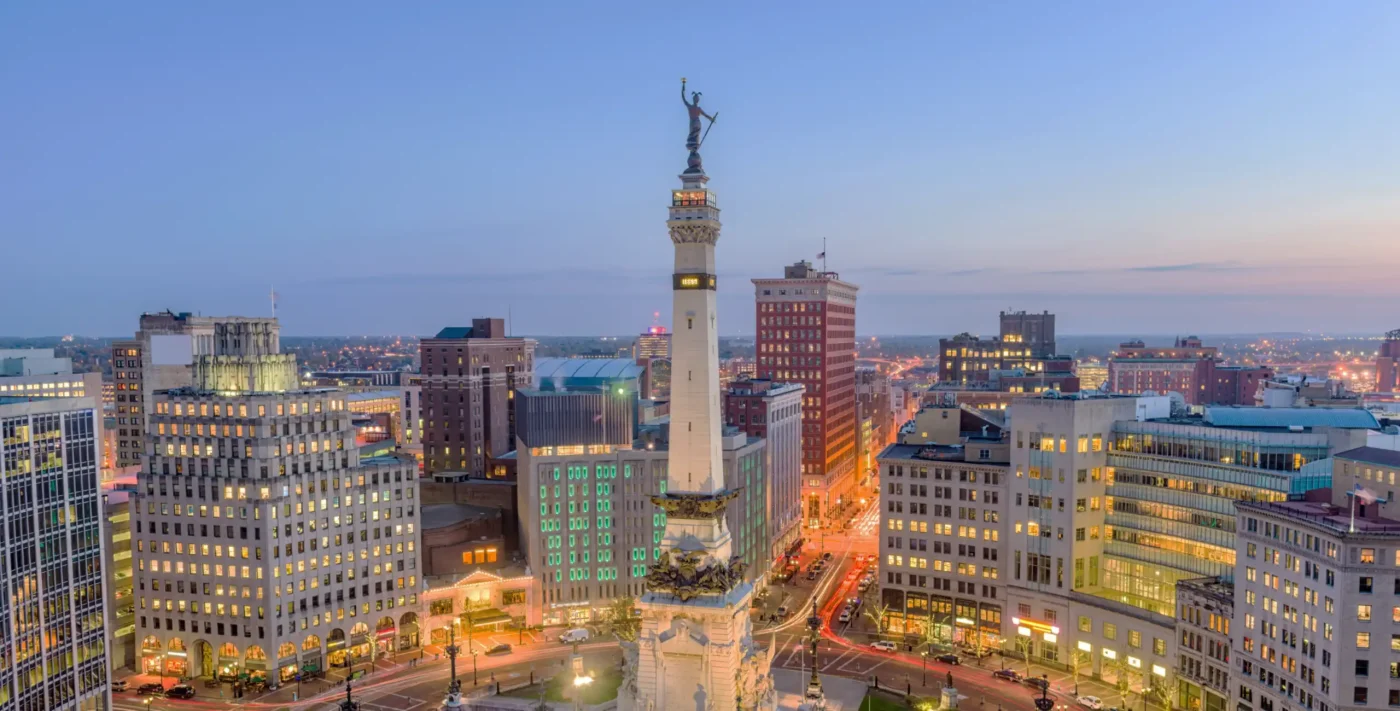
x=695 y=649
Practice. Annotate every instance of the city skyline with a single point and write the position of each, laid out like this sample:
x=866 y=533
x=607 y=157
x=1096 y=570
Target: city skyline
x=1136 y=167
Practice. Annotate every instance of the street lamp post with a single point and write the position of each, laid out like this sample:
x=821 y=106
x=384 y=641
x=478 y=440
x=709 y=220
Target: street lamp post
x=452 y=650
x=925 y=681
x=474 y=681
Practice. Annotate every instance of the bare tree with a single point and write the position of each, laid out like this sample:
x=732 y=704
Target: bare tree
x=620 y=615
x=878 y=613
x=1023 y=645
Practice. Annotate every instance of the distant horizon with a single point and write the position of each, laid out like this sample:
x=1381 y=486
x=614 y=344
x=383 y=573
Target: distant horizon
x=1204 y=336
x=1170 y=168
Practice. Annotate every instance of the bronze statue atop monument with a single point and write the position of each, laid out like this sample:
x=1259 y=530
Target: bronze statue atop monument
x=694 y=139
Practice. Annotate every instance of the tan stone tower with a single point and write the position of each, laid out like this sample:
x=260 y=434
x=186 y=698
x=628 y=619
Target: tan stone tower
x=695 y=649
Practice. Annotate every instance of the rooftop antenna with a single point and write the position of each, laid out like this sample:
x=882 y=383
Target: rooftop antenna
x=508 y=319
x=272 y=296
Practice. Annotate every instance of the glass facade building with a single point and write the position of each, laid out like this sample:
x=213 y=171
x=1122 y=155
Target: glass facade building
x=1173 y=484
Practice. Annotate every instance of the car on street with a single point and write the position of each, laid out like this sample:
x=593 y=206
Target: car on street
x=1090 y=702
x=782 y=611
x=826 y=556
x=119 y=685
x=947 y=659
x=883 y=645
x=151 y=689
x=498 y=650
x=1007 y=674
x=1038 y=682
x=845 y=615
x=811 y=575
x=180 y=691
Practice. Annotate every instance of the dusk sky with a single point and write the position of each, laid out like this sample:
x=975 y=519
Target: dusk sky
x=391 y=168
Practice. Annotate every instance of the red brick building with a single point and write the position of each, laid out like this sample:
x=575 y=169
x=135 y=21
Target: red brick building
x=1388 y=363
x=1189 y=368
x=468 y=405
x=806 y=327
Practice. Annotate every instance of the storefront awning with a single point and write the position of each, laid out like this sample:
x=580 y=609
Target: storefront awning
x=487 y=617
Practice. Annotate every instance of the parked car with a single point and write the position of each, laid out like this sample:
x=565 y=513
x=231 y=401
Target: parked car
x=151 y=689
x=1007 y=674
x=1038 y=682
x=883 y=646
x=826 y=556
x=180 y=691
x=782 y=611
x=1090 y=702
x=845 y=615
x=811 y=575
x=119 y=685
x=947 y=658
x=575 y=635
x=498 y=649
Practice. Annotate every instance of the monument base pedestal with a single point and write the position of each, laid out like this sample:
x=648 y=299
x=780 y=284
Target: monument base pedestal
x=949 y=699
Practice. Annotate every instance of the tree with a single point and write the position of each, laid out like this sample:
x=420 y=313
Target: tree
x=930 y=635
x=1077 y=659
x=1023 y=645
x=625 y=623
x=877 y=614
x=1123 y=674
x=1160 y=689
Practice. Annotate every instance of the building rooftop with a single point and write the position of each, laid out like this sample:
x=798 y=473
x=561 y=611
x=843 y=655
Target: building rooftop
x=1336 y=519
x=443 y=515
x=455 y=332
x=602 y=368
x=932 y=453
x=1372 y=455
x=1215 y=588
x=372 y=395
x=1285 y=417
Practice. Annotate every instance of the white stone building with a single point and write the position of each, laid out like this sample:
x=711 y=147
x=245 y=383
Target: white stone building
x=263 y=545
x=1317 y=607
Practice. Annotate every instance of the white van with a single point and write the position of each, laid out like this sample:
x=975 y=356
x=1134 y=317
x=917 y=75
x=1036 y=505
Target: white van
x=574 y=635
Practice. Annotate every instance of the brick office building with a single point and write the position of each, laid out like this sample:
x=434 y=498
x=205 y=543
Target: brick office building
x=468 y=395
x=806 y=326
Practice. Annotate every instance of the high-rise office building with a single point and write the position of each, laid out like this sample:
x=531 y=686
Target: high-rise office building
x=773 y=411
x=1035 y=331
x=1117 y=499
x=654 y=344
x=55 y=653
x=1388 y=363
x=1315 y=605
x=163 y=355
x=806 y=326
x=263 y=543
x=944 y=504
x=469 y=380
x=1205 y=611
